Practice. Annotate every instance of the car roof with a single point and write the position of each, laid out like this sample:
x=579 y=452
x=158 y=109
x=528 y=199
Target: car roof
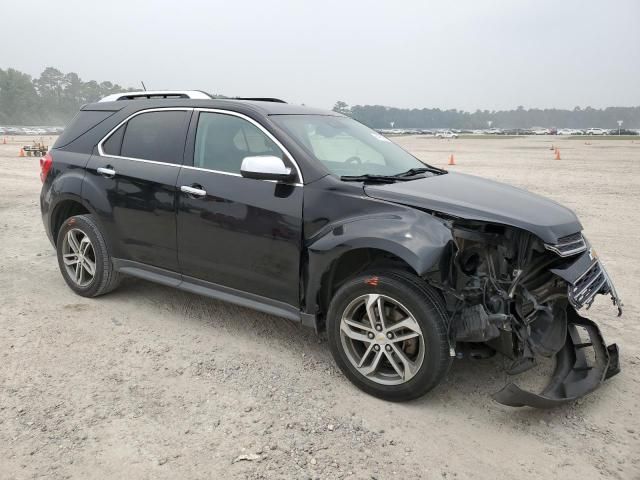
x=258 y=106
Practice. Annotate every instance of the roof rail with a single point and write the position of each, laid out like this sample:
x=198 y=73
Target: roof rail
x=260 y=99
x=147 y=94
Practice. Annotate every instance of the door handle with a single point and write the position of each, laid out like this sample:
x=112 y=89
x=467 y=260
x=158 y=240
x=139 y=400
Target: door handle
x=107 y=171
x=194 y=191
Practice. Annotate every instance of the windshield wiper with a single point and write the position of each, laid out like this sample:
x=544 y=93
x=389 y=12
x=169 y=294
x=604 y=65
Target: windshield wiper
x=371 y=178
x=417 y=171
x=401 y=177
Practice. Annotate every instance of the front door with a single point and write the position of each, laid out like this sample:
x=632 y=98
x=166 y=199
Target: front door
x=137 y=169
x=237 y=232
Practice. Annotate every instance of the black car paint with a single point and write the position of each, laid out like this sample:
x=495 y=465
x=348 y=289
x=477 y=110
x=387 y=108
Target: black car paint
x=336 y=216
x=475 y=198
x=416 y=237
x=267 y=245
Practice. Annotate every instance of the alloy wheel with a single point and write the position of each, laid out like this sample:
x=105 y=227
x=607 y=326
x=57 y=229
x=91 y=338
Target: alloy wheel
x=79 y=257
x=382 y=339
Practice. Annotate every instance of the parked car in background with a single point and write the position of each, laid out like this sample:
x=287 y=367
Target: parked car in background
x=541 y=131
x=446 y=134
x=622 y=131
x=29 y=131
x=596 y=131
x=512 y=131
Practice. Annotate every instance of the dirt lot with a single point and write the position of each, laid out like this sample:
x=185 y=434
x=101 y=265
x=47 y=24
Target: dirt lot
x=150 y=382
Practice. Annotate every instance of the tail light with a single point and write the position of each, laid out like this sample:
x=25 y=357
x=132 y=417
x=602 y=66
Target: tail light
x=45 y=165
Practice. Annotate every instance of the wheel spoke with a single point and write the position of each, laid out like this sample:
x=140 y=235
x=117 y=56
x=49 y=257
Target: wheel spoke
x=79 y=273
x=406 y=336
x=373 y=366
x=409 y=367
x=73 y=242
x=85 y=243
x=353 y=335
x=371 y=301
x=365 y=355
x=394 y=364
x=354 y=324
x=381 y=315
x=70 y=259
x=90 y=266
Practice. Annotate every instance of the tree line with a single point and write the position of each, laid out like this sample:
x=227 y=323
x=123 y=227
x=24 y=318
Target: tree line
x=378 y=116
x=53 y=98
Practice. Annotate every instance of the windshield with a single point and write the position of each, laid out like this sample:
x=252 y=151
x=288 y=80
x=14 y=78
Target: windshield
x=346 y=147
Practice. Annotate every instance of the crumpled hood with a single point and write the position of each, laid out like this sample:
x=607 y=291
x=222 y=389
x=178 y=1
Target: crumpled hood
x=475 y=198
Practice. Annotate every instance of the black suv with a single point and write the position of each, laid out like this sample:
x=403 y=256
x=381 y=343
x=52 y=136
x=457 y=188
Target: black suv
x=311 y=216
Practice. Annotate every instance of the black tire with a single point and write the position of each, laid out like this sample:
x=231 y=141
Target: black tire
x=105 y=278
x=428 y=309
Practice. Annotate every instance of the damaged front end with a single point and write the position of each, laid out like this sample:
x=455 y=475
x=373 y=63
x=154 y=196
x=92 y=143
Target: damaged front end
x=507 y=291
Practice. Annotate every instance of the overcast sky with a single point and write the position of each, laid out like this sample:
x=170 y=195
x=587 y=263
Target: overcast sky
x=448 y=54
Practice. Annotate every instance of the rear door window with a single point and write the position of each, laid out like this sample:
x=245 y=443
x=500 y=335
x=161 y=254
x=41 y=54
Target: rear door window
x=157 y=136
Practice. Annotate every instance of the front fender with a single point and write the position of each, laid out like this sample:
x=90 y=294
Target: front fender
x=416 y=237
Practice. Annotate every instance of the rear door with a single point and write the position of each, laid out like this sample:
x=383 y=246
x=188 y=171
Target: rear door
x=137 y=168
x=238 y=232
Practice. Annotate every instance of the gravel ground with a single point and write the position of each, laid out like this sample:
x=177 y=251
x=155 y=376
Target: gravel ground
x=150 y=382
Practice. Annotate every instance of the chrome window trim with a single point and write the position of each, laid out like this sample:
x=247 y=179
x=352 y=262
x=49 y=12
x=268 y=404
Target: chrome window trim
x=231 y=174
x=102 y=153
x=135 y=114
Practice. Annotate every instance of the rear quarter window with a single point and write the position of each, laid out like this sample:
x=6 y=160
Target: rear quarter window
x=84 y=121
x=114 y=143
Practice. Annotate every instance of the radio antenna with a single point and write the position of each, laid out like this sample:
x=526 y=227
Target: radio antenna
x=143 y=87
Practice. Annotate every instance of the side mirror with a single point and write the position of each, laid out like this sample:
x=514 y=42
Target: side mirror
x=266 y=167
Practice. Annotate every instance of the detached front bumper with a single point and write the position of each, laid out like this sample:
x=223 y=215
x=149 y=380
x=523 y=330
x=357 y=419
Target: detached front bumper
x=576 y=373
x=585 y=360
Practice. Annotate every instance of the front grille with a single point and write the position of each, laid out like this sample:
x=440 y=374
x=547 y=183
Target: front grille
x=586 y=287
x=569 y=245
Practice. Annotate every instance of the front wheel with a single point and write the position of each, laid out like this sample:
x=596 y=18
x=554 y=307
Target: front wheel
x=388 y=334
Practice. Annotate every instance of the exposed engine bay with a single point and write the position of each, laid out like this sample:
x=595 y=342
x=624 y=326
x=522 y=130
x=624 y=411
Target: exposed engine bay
x=509 y=292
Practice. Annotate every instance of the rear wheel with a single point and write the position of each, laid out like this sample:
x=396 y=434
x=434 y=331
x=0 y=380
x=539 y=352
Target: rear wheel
x=83 y=257
x=388 y=334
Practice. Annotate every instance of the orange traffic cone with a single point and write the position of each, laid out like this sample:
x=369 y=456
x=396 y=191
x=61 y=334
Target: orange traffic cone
x=557 y=154
x=21 y=154
x=452 y=160
x=4 y=141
